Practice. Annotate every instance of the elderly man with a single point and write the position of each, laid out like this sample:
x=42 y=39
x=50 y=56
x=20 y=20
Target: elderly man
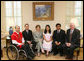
x=18 y=40
x=72 y=41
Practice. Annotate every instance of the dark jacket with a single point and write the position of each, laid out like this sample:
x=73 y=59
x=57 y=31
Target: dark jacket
x=75 y=37
x=29 y=36
x=60 y=37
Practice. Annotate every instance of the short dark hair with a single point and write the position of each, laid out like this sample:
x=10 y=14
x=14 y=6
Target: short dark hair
x=58 y=24
x=10 y=26
x=26 y=24
x=37 y=26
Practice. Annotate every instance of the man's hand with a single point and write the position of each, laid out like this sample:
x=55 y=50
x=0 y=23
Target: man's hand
x=29 y=42
x=22 y=43
x=68 y=44
x=57 y=43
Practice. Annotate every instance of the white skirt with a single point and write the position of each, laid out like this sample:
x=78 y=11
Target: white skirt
x=47 y=45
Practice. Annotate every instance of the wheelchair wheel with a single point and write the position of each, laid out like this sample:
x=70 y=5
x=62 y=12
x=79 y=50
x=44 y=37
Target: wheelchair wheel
x=12 y=52
x=22 y=55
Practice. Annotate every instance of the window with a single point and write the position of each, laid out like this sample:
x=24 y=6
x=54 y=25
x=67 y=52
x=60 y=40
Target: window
x=74 y=10
x=13 y=14
x=78 y=11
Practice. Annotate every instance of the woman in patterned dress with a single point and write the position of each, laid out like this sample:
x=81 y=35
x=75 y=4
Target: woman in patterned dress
x=47 y=42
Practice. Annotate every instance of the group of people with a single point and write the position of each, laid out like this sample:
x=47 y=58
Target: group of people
x=46 y=42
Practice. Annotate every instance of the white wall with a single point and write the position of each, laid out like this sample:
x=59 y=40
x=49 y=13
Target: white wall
x=27 y=16
x=59 y=15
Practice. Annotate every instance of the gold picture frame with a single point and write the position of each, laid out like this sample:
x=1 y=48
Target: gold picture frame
x=43 y=11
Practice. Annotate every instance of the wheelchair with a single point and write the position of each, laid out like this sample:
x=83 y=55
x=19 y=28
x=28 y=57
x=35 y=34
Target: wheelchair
x=15 y=53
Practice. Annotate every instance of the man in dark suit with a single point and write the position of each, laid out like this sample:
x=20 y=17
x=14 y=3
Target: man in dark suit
x=72 y=41
x=28 y=37
x=58 y=40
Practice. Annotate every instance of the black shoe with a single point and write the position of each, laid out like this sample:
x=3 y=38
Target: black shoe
x=32 y=55
x=55 y=54
x=67 y=57
x=71 y=57
x=29 y=58
x=61 y=54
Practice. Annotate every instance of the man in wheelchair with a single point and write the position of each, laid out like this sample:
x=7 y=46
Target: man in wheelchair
x=18 y=40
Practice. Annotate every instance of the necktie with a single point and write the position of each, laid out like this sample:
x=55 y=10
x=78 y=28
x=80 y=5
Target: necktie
x=58 y=31
x=70 y=36
x=27 y=31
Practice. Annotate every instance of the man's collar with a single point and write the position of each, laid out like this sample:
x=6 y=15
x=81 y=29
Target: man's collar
x=59 y=30
x=17 y=32
x=72 y=29
x=26 y=30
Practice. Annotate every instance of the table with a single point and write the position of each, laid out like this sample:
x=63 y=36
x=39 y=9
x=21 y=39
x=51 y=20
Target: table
x=8 y=41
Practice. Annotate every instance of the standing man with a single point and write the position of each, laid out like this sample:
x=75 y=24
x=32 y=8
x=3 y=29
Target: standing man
x=28 y=37
x=72 y=41
x=58 y=40
x=18 y=40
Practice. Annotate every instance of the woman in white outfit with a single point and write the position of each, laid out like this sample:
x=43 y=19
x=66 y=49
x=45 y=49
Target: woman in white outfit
x=47 y=42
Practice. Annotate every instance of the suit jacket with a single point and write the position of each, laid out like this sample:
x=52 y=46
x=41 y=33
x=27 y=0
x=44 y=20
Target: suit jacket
x=27 y=36
x=75 y=40
x=60 y=37
x=38 y=36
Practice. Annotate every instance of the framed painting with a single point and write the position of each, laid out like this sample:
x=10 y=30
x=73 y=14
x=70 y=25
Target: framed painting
x=43 y=11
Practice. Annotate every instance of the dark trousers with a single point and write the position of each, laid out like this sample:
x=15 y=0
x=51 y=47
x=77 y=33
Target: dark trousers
x=57 y=49
x=69 y=50
x=28 y=50
x=34 y=46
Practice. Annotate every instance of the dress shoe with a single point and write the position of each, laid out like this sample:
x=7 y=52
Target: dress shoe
x=55 y=54
x=61 y=54
x=70 y=58
x=29 y=58
x=67 y=57
x=32 y=55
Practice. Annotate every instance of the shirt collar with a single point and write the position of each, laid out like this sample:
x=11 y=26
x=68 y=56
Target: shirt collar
x=71 y=30
x=17 y=32
x=27 y=30
x=58 y=30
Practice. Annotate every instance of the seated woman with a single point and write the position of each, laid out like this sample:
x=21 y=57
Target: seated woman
x=38 y=36
x=47 y=42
